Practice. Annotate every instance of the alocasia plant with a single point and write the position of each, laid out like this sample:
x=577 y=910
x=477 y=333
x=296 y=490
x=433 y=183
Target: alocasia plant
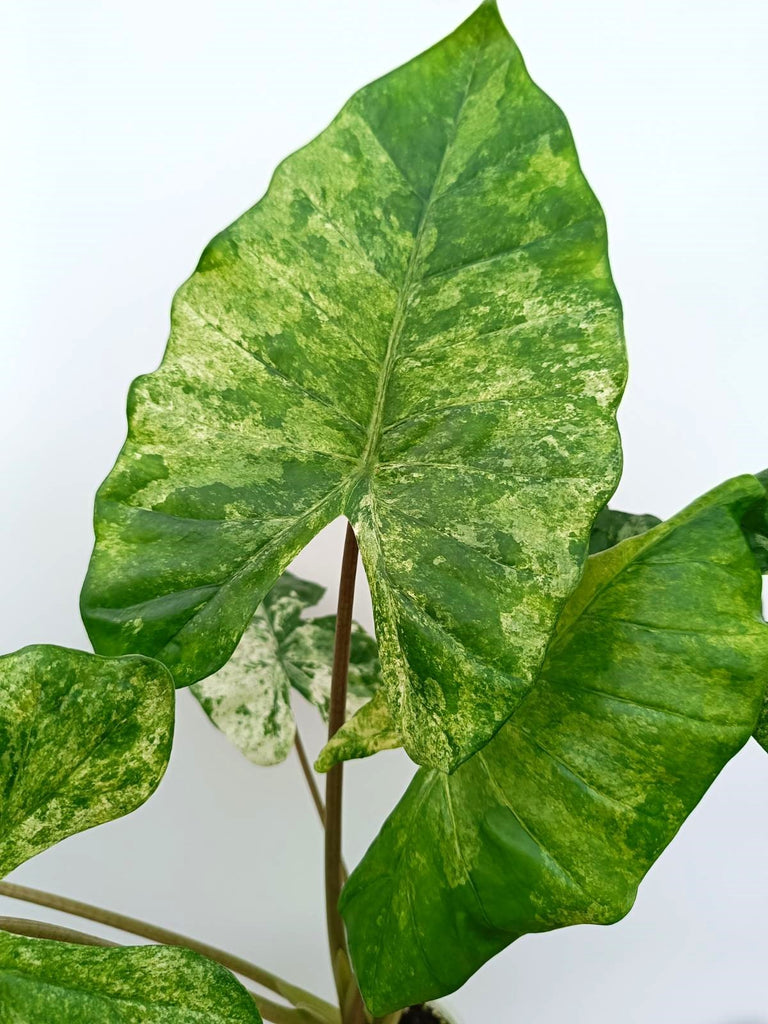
x=415 y=328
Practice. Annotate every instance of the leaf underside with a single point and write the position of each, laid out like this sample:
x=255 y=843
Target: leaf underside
x=416 y=328
x=83 y=740
x=59 y=983
x=653 y=681
x=249 y=699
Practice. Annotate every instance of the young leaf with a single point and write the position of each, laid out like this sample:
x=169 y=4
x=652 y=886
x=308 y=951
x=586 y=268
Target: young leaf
x=417 y=328
x=249 y=698
x=653 y=681
x=83 y=740
x=59 y=983
x=611 y=527
x=366 y=733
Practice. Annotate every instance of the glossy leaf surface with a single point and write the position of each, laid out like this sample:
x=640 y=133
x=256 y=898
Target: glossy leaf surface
x=417 y=328
x=249 y=699
x=83 y=740
x=653 y=681
x=43 y=982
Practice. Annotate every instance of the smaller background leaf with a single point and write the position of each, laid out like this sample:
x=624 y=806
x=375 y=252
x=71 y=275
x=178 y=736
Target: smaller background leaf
x=249 y=699
x=83 y=740
x=611 y=527
x=755 y=525
x=44 y=982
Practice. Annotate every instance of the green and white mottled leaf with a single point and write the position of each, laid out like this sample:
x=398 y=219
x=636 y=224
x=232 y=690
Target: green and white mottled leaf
x=653 y=681
x=612 y=526
x=249 y=699
x=416 y=328
x=83 y=740
x=367 y=732
x=43 y=982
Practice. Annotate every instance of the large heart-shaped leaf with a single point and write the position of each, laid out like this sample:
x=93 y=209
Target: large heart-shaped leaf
x=417 y=328
x=249 y=699
x=653 y=681
x=83 y=740
x=43 y=982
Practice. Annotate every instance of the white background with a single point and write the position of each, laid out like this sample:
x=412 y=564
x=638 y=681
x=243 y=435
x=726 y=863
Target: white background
x=132 y=133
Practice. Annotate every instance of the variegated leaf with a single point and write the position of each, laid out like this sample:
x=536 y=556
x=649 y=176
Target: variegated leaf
x=83 y=740
x=44 y=982
x=417 y=328
x=249 y=699
x=654 y=680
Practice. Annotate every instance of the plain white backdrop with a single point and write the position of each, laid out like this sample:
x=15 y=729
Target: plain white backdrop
x=132 y=133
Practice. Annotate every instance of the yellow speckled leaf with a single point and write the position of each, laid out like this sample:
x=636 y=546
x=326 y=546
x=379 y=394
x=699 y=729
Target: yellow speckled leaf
x=249 y=699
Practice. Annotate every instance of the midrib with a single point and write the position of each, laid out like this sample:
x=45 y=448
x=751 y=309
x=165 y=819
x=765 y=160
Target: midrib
x=404 y=297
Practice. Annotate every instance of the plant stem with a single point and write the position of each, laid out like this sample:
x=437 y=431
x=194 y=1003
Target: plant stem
x=164 y=937
x=349 y=998
x=309 y=775
x=42 y=930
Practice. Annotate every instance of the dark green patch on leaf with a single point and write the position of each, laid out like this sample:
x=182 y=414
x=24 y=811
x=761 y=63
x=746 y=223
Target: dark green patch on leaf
x=611 y=527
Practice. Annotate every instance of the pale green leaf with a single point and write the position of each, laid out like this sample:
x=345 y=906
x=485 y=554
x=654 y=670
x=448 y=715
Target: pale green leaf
x=83 y=740
x=366 y=733
x=416 y=328
x=43 y=982
x=653 y=681
x=249 y=699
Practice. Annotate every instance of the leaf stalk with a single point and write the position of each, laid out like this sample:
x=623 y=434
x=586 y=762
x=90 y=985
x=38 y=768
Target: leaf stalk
x=350 y=1001
x=313 y=1008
